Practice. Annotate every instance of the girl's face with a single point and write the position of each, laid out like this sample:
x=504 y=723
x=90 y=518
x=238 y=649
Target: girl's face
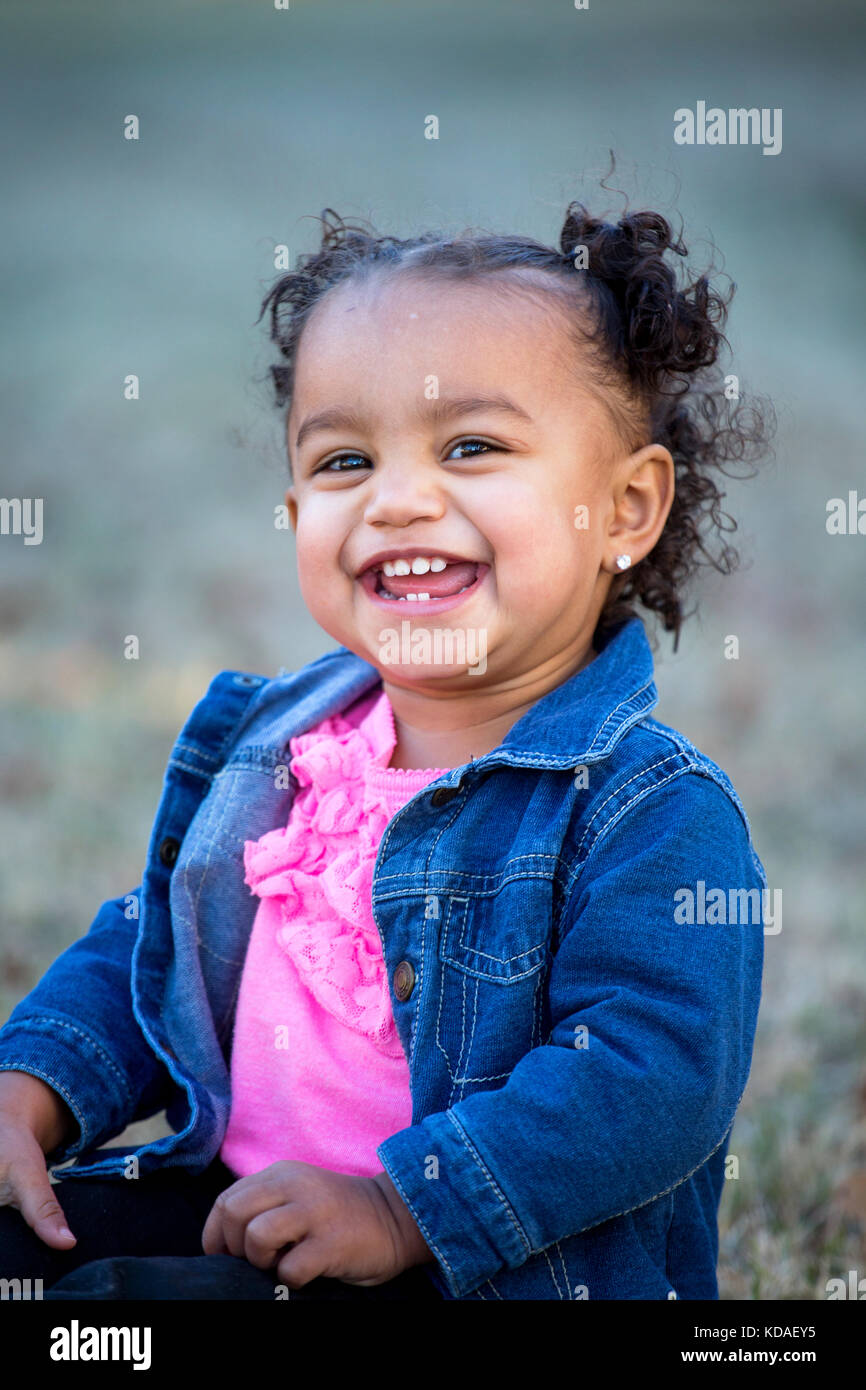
x=436 y=418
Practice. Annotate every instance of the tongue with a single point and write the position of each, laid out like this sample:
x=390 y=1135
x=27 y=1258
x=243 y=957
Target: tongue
x=448 y=581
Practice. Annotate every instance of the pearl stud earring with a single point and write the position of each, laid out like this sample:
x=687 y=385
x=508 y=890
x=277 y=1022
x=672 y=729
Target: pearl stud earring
x=623 y=562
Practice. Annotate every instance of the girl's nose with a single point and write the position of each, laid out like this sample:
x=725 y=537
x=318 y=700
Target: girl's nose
x=403 y=493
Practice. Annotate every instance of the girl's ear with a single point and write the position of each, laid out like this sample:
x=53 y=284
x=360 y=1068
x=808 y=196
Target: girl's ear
x=644 y=499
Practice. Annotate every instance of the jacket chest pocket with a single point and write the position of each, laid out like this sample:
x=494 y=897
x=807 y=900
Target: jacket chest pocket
x=494 y=952
x=502 y=939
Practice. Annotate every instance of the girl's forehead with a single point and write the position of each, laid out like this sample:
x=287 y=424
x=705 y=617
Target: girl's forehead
x=508 y=297
x=396 y=310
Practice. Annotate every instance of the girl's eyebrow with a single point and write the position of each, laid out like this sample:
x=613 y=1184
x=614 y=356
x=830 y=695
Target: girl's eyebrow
x=437 y=410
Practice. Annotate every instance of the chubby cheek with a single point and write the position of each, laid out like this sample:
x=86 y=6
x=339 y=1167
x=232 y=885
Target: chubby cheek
x=324 y=585
x=542 y=561
x=544 y=589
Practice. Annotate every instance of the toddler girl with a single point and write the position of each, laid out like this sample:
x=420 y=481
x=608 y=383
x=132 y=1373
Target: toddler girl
x=416 y=967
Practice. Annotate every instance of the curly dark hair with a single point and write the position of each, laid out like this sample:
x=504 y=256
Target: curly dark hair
x=653 y=347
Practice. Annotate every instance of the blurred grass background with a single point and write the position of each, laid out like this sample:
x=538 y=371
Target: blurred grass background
x=152 y=257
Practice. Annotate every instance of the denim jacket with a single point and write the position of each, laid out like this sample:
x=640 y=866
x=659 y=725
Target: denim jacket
x=578 y=1038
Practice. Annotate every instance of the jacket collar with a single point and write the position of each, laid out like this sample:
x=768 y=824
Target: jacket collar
x=583 y=719
x=579 y=722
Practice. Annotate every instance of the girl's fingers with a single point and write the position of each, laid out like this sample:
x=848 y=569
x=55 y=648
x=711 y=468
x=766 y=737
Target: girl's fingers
x=305 y=1261
x=212 y=1242
x=40 y=1208
x=267 y=1233
x=232 y=1212
x=220 y=1234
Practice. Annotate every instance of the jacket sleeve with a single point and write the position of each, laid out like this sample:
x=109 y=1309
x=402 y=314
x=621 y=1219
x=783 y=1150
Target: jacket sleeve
x=593 y=1124
x=84 y=1050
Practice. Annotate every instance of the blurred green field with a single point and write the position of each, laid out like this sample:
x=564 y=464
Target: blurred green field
x=152 y=257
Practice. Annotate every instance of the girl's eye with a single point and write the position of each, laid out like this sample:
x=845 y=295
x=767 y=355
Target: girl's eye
x=471 y=444
x=338 y=458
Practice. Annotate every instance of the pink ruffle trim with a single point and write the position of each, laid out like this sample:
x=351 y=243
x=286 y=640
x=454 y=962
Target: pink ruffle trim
x=320 y=865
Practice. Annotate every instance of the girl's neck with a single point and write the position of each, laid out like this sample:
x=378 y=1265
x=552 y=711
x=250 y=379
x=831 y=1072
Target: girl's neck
x=448 y=733
x=420 y=748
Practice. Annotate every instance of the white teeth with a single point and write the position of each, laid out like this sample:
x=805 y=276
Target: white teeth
x=420 y=565
x=425 y=598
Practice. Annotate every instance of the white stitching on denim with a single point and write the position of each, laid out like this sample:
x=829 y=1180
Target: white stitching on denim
x=56 y=1022
x=655 y=786
x=452 y=1075
x=472 y=951
x=465 y=1080
x=613 y=713
x=705 y=767
x=418 y=1221
x=641 y=712
x=558 y=1248
x=464 y=986
x=509 y=1211
x=455 y=1077
x=84 y=1137
x=702 y=765
x=261 y=757
x=510 y=978
x=437 y=1038
x=639 y=796
x=491 y=1285
x=500 y=960
x=229 y=695
x=496 y=880
x=197 y=752
x=553 y=1273
x=196 y=771
x=635 y=778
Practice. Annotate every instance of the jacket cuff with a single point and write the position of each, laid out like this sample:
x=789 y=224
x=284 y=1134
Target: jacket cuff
x=445 y=1183
x=58 y=1052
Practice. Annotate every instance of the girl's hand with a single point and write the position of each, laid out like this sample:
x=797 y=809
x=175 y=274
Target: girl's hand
x=350 y=1228
x=24 y=1183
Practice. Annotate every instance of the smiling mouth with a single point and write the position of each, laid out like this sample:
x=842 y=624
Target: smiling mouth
x=456 y=577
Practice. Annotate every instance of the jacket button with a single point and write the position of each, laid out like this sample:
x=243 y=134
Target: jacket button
x=168 y=850
x=404 y=980
x=442 y=795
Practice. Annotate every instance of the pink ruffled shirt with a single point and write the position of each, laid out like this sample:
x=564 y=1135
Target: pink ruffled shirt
x=318 y=1072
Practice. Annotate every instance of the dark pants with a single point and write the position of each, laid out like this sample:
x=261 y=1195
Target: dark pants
x=142 y=1239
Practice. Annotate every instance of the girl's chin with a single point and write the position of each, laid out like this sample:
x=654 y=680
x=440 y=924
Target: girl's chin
x=427 y=676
